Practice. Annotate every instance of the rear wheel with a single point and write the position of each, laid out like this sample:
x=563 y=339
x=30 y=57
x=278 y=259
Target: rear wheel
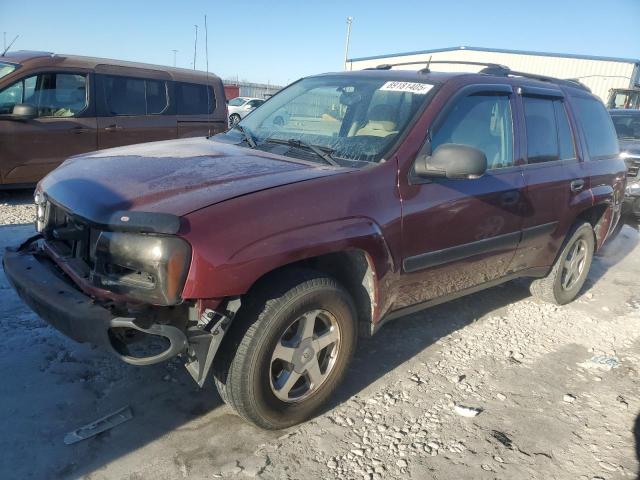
x=569 y=272
x=289 y=350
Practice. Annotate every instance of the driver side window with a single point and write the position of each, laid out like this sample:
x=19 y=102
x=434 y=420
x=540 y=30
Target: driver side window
x=483 y=122
x=53 y=94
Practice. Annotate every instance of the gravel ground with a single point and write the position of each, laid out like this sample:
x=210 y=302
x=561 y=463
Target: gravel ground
x=16 y=207
x=496 y=385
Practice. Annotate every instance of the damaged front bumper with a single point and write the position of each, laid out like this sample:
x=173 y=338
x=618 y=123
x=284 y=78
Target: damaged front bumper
x=56 y=299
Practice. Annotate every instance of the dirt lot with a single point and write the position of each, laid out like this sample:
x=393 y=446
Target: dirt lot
x=557 y=389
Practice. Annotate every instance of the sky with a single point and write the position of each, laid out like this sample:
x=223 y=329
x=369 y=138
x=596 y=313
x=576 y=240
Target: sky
x=279 y=41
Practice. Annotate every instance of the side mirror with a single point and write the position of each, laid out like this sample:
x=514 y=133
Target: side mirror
x=24 y=111
x=451 y=160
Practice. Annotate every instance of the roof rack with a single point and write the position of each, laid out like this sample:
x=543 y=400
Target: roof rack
x=489 y=69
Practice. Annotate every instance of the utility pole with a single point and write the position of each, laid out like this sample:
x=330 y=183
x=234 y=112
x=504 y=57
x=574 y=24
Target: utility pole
x=346 y=47
x=195 y=48
x=174 y=57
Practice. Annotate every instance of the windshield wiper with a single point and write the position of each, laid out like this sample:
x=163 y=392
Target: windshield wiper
x=322 y=152
x=246 y=135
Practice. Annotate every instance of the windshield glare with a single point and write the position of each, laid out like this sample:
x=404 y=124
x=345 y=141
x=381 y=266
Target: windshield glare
x=6 y=69
x=627 y=126
x=236 y=102
x=356 y=118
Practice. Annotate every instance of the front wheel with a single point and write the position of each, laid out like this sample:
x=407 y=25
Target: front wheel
x=300 y=338
x=234 y=119
x=570 y=270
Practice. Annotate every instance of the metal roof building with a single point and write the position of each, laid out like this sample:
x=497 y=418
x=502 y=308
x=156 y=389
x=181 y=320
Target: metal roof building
x=600 y=74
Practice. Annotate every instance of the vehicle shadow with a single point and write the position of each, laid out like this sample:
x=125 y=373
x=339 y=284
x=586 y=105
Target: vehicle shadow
x=407 y=336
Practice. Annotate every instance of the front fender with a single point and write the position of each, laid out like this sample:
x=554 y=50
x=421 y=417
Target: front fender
x=215 y=276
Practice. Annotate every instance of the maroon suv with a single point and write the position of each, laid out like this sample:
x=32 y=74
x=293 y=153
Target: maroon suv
x=346 y=200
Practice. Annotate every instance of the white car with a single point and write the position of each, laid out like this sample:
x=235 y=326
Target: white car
x=239 y=107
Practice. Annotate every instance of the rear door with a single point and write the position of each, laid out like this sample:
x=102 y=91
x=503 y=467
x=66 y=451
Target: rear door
x=556 y=176
x=133 y=110
x=458 y=234
x=198 y=109
x=65 y=124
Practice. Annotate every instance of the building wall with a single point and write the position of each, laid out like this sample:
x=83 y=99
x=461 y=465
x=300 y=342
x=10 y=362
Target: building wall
x=256 y=90
x=598 y=75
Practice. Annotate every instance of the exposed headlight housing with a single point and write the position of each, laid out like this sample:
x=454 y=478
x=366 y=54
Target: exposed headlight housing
x=149 y=268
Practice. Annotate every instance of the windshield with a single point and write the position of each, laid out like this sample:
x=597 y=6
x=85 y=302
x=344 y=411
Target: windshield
x=236 y=102
x=627 y=126
x=6 y=69
x=353 y=118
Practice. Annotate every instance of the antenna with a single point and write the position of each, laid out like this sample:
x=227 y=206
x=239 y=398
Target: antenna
x=174 y=56
x=206 y=53
x=346 y=47
x=10 y=45
x=195 y=48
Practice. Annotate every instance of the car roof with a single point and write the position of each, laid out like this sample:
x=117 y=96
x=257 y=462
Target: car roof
x=467 y=77
x=28 y=57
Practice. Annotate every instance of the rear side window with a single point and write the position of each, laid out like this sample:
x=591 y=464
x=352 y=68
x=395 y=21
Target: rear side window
x=549 y=135
x=194 y=99
x=597 y=127
x=134 y=96
x=483 y=122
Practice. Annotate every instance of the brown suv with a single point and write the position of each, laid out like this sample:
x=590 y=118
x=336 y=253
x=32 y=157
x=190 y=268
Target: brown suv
x=344 y=201
x=55 y=106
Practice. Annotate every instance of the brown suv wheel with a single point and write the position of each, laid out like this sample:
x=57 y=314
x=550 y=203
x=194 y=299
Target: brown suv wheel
x=293 y=341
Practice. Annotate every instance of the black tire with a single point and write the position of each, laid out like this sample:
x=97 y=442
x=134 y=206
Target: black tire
x=243 y=368
x=234 y=118
x=551 y=288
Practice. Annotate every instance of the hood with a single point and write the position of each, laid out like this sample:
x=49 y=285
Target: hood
x=175 y=177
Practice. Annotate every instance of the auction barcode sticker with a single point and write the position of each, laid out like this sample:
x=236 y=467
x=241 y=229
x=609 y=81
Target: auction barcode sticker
x=413 y=87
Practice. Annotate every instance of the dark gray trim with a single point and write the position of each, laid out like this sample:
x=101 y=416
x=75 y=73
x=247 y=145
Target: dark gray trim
x=440 y=257
x=486 y=245
x=540 y=92
x=531 y=233
x=499 y=50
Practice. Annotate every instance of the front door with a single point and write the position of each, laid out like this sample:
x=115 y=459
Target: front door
x=457 y=234
x=133 y=110
x=65 y=125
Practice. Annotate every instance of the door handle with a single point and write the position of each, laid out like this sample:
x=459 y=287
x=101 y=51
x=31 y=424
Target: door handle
x=509 y=198
x=78 y=130
x=576 y=185
x=112 y=128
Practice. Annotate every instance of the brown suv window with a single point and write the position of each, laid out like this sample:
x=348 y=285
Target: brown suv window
x=549 y=135
x=134 y=96
x=483 y=122
x=598 y=128
x=193 y=99
x=53 y=94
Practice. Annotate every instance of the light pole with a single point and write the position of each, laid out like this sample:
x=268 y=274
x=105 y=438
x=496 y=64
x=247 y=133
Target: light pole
x=346 y=47
x=174 y=57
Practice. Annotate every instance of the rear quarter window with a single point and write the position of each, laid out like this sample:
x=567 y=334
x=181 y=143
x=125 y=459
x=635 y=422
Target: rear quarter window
x=597 y=127
x=194 y=99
